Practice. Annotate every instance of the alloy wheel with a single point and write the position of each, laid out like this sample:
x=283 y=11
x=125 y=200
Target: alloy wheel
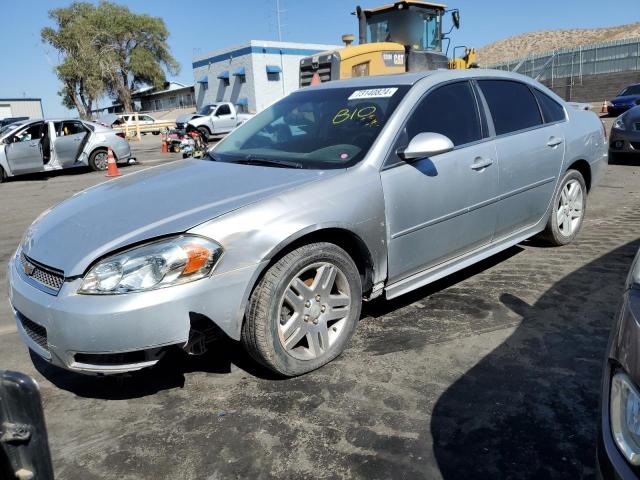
x=570 y=208
x=313 y=310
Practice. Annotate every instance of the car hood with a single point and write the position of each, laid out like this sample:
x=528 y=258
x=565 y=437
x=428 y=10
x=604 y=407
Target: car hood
x=158 y=201
x=626 y=100
x=185 y=117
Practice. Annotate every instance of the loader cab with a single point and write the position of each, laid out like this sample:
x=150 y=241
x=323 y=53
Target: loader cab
x=416 y=25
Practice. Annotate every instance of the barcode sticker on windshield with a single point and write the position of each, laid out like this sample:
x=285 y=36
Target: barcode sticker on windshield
x=373 y=93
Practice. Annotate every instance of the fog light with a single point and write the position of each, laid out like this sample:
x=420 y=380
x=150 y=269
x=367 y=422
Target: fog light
x=625 y=417
x=618 y=144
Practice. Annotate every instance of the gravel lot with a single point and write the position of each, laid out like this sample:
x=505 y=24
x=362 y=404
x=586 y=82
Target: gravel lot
x=491 y=373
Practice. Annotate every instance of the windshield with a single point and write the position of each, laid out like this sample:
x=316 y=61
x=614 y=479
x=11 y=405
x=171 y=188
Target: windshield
x=417 y=27
x=7 y=128
x=315 y=128
x=207 y=109
x=632 y=90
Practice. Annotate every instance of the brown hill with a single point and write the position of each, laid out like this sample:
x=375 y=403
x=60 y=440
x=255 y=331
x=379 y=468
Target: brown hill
x=546 y=40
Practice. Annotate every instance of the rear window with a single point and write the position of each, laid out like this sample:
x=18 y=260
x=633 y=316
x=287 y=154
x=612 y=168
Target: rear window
x=552 y=111
x=513 y=107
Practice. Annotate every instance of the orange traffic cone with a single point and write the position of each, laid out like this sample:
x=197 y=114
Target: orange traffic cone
x=164 y=148
x=604 y=107
x=112 y=166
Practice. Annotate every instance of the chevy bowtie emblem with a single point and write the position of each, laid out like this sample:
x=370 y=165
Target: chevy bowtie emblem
x=28 y=268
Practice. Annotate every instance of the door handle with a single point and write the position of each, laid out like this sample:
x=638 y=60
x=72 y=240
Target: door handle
x=77 y=140
x=481 y=163
x=34 y=145
x=554 y=142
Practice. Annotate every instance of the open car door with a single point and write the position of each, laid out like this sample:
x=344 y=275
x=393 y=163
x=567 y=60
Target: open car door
x=24 y=149
x=69 y=141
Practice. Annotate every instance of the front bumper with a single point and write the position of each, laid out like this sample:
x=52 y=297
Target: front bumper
x=120 y=333
x=615 y=110
x=624 y=141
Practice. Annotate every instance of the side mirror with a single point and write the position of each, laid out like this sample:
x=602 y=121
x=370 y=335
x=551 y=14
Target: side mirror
x=455 y=16
x=426 y=145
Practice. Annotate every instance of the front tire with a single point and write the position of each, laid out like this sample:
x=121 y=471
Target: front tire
x=204 y=133
x=568 y=209
x=305 y=309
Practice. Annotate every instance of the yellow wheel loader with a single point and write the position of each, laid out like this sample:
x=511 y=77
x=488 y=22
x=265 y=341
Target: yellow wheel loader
x=405 y=36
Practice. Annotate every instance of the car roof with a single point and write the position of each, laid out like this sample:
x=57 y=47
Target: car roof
x=413 y=77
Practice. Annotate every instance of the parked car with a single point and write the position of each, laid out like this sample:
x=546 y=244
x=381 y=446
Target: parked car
x=146 y=121
x=182 y=120
x=43 y=145
x=9 y=120
x=346 y=190
x=625 y=134
x=619 y=428
x=221 y=119
x=626 y=99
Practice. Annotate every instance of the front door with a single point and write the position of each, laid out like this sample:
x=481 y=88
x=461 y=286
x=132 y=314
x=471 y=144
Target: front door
x=24 y=149
x=224 y=120
x=440 y=207
x=69 y=141
x=530 y=150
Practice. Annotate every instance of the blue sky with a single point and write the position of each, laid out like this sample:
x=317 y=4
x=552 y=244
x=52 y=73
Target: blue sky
x=197 y=27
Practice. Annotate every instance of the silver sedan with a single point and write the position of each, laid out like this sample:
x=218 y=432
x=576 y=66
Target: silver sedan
x=340 y=192
x=43 y=145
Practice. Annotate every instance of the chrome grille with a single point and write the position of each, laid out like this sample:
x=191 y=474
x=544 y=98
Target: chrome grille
x=36 y=332
x=49 y=278
x=307 y=72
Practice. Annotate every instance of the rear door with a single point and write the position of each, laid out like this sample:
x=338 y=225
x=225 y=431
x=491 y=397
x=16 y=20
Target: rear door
x=440 y=207
x=69 y=141
x=224 y=120
x=24 y=149
x=530 y=153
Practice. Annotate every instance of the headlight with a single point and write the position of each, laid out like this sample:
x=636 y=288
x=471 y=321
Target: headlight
x=625 y=417
x=619 y=123
x=155 y=265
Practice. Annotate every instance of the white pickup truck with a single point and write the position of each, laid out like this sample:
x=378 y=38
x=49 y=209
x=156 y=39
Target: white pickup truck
x=221 y=118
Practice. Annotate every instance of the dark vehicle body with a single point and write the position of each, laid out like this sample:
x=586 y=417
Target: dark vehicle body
x=626 y=99
x=618 y=447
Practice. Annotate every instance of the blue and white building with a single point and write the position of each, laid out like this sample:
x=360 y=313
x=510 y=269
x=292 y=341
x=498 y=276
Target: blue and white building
x=253 y=75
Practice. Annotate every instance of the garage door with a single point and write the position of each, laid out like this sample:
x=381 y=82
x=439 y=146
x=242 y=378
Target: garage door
x=5 y=111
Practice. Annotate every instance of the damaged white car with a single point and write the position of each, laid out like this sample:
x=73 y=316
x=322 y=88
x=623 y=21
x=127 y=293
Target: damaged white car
x=43 y=145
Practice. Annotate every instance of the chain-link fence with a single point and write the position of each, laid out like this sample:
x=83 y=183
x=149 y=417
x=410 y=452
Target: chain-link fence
x=574 y=63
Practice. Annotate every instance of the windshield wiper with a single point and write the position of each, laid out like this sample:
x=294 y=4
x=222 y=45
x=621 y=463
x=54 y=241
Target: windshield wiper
x=251 y=160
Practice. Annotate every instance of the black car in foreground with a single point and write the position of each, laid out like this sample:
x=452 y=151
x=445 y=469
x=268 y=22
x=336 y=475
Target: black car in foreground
x=619 y=429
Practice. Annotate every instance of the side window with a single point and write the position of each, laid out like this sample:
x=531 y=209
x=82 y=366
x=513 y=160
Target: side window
x=224 y=110
x=32 y=132
x=450 y=110
x=71 y=128
x=513 y=106
x=552 y=111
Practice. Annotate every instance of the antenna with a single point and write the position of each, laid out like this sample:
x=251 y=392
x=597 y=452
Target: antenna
x=279 y=23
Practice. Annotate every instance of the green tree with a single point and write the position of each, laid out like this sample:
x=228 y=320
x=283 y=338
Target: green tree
x=79 y=69
x=108 y=48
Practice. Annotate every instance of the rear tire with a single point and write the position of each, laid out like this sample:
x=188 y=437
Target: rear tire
x=98 y=160
x=567 y=210
x=305 y=309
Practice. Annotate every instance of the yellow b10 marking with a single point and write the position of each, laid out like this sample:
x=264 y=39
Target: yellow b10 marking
x=359 y=113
